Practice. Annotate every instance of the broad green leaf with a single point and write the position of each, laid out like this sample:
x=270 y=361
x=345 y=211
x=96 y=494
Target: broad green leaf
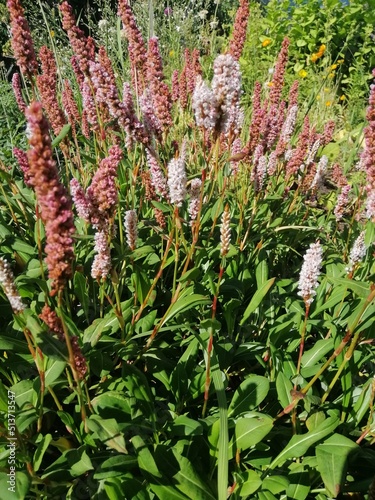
x=283 y=387
x=112 y=404
x=40 y=451
x=25 y=393
x=186 y=302
x=316 y=353
x=332 y=456
x=257 y=299
x=53 y=370
x=251 y=429
x=16 y=491
x=185 y=426
x=181 y=471
x=358 y=287
x=249 y=395
x=299 y=486
x=108 y=432
x=115 y=466
x=300 y=443
x=109 y=324
x=251 y=482
x=275 y=484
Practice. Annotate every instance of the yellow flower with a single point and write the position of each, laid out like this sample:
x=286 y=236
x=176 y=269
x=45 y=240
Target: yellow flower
x=52 y=33
x=328 y=103
x=322 y=49
x=334 y=66
x=302 y=73
x=266 y=42
x=331 y=75
x=326 y=89
x=270 y=84
x=314 y=57
x=318 y=97
x=343 y=97
x=171 y=53
x=340 y=61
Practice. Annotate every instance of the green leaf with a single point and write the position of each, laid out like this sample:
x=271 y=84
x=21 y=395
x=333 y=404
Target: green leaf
x=316 y=353
x=251 y=482
x=257 y=299
x=358 y=287
x=16 y=491
x=40 y=451
x=251 y=429
x=332 y=456
x=300 y=443
x=184 y=303
x=25 y=393
x=109 y=324
x=249 y=395
x=108 y=432
x=185 y=426
x=275 y=484
x=179 y=469
x=63 y=133
x=53 y=370
x=283 y=388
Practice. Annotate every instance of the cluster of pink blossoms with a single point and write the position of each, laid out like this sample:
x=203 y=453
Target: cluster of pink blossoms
x=97 y=206
x=53 y=199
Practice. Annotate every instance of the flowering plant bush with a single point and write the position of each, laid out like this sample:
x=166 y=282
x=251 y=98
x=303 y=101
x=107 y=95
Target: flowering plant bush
x=187 y=303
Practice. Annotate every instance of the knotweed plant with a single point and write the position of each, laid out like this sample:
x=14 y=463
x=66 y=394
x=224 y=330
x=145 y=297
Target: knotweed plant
x=186 y=271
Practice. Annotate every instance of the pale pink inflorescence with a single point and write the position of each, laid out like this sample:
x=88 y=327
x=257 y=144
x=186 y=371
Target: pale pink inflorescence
x=151 y=121
x=260 y=173
x=130 y=222
x=342 y=202
x=357 y=252
x=308 y=279
x=9 y=287
x=158 y=180
x=318 y=180
x=53 y=199
x=225 y=232
x=101 y=265
x=177 y=178
x=17 y=89
x=226 y=86
x=205 y=106
x=195 y=192
x=22 y=43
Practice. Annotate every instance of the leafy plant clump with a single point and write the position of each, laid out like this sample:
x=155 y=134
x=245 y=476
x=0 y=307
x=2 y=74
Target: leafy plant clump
x=187 y=278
